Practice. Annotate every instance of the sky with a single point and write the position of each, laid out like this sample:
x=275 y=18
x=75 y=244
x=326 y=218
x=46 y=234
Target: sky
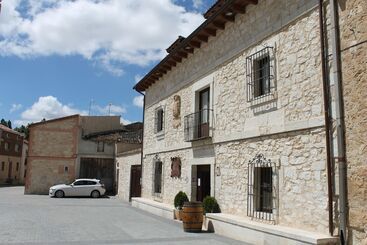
x=64 y=57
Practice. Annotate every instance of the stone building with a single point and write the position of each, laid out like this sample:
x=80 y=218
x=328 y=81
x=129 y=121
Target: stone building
x=236 y=111
x=11 y=148
x=128 y=162
x=63 y=149
x=353 y=33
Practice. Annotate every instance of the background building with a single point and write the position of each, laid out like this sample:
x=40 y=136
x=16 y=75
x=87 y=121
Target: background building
x=61 y=150
x=11 y=158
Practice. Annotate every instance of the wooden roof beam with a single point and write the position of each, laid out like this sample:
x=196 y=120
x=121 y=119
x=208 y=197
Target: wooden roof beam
x=177 y=58
x=219 y=24
x=182 y=54
x=211 y=31
x=194 y=44
x=203 y=38
x=167 y=67
x=171 y=62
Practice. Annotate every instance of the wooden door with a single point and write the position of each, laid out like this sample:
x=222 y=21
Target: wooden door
x=135 y=181
x=203 y=182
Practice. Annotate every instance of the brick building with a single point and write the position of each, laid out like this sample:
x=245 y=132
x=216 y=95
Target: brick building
x=61 y=150
x=11 y=148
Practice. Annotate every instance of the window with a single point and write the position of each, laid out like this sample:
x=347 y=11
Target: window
x=158 y=177
x=100 y=146
x=91 y=183
x=66 y=169
x=17 y=167
x=80 y=182
x=2 y=166
x=16 y=148
x=6 y=146
x=159 y=120
x=261 y=195
x=260 y=74
x=25 y=173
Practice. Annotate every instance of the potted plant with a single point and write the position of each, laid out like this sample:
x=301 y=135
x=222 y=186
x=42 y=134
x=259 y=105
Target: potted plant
x=210 y=205
x=179 y=201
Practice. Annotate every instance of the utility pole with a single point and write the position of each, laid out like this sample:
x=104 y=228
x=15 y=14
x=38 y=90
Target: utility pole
x=109 y=109
x=90 y=105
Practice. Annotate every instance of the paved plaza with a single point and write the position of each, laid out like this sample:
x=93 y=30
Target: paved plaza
x=37 y=219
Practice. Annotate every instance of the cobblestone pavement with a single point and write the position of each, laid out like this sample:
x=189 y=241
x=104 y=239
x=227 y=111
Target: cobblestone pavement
x=37 y=219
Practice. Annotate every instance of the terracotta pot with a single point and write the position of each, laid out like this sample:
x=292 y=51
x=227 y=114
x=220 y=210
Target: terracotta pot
x=178 y=214
x=192 y=216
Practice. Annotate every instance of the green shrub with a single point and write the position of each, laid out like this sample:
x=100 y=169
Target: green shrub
x=180 y=199
x=210 y=205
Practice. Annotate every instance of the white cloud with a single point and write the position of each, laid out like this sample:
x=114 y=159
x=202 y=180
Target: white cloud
x=15 y=107
x=110 y=32
x=139 y=101
x=47 y=107
x=197 y=3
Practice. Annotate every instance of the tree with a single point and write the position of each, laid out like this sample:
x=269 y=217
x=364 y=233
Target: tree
x=24 y=130
x=9 y=124
x=3 y=122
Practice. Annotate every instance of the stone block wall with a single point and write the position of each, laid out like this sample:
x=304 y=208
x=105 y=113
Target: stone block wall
x=125 y=161
x=353 y=30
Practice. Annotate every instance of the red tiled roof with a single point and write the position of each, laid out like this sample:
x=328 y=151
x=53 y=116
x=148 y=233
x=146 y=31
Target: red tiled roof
x=6 y=129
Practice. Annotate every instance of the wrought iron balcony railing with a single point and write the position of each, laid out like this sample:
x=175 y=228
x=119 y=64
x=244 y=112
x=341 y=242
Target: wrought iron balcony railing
x=198 y=125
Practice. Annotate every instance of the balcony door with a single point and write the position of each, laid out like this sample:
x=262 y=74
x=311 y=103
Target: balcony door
x=204 y=106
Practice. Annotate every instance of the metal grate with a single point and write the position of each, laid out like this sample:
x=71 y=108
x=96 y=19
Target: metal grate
x=198 y=125
x=260 y=74
x=261 y=196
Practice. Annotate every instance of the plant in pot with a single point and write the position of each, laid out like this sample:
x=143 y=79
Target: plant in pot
x=210 y=205
x=179 y=201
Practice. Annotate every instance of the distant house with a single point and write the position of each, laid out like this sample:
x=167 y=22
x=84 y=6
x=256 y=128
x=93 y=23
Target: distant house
x=63 y=149
x=11 y=157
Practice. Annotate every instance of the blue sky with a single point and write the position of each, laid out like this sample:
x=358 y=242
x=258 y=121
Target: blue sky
x=58 y=57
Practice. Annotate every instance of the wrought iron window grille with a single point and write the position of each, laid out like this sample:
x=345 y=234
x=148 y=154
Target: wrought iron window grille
x=260 y=73
x=198 y=125
x=261 y=189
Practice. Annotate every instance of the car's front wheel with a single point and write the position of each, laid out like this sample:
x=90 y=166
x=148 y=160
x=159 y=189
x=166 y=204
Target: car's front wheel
x=95 y=194
x=59 y=194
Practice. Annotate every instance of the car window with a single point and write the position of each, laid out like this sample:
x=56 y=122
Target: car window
x=80 y=182
x=91 y=183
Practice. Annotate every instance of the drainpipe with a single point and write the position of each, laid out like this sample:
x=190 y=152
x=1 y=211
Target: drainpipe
x=328 y=135
x=142 y=140
x=340 y=125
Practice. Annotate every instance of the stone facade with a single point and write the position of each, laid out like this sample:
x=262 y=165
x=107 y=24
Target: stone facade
x=125 y=160
x=286 y=126
x=353 y=28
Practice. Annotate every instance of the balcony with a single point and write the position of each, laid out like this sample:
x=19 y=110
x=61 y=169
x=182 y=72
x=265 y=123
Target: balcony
x=198 y=125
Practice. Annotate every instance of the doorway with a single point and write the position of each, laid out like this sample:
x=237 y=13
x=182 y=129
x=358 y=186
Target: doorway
x=202 y=182
x=135 y=181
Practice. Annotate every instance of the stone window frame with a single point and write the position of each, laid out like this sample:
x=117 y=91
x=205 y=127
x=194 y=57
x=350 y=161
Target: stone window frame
x=157 y=195
x=259 y=161
x=252 y=76
x=159 y=133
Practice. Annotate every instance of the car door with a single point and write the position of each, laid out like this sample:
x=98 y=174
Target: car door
x=78 y=188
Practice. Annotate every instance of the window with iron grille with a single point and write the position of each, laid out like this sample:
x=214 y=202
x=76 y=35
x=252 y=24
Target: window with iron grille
x=261 y=197
x=260 y=74
x=158 y=177
x=159 y=120
x=2 y=166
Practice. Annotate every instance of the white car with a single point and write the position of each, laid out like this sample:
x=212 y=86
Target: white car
x=80 y=187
